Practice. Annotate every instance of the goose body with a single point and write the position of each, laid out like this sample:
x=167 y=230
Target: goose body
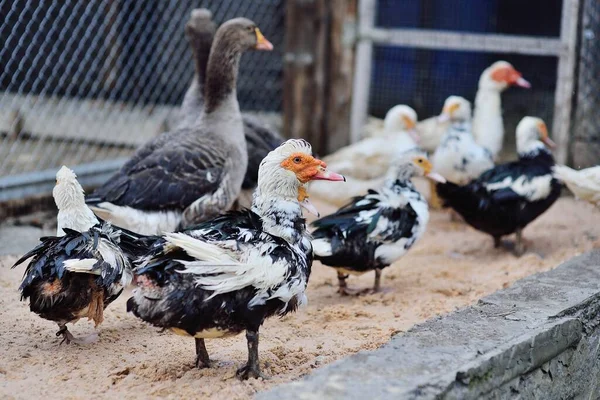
x=366 y=162
x=80 y=272
x=374 y=230
x=459 y=158
x=236 y=270
x=195 y=172
x=506 y=198
x=260 y=139
x=584 y=183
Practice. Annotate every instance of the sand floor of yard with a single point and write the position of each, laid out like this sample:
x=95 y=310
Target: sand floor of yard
x=451 y=267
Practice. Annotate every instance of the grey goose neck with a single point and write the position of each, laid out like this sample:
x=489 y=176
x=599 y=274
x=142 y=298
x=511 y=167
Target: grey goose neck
x=200 y=32
x=222 y=71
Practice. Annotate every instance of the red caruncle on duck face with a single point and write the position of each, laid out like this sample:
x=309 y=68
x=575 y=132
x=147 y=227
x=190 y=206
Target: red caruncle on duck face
x=307 y=168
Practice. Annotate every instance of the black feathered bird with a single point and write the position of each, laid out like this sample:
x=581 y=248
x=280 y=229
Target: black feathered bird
x=229 y=274
x=376 y=229
x=506 y=198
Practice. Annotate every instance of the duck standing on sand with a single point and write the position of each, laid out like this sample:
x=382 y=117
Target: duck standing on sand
x=78 y=273
x=506 y=198
x=375 y=230
x=229 y=274
x=193 y=173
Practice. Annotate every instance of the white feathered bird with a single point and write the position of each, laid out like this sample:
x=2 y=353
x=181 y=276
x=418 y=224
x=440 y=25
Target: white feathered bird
x=69 y=196
x=488 y=126
x=584 y=183
x=366 y=162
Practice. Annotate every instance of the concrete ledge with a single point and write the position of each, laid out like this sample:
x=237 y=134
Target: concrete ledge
x=539 y=338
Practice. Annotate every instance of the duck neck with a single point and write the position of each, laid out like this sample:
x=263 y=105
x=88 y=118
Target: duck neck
x=281 y=216
x=534 y=149
x=488 y=126
x=221 y=77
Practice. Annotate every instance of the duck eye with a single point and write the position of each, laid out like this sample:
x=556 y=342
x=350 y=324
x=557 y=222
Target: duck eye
x=297 y=160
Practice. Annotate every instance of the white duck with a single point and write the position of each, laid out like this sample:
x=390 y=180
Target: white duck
x=488 y=127
x=365 y=163
x=584 y=183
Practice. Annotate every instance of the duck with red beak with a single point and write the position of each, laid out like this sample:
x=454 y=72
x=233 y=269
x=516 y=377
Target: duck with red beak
x=238 y=269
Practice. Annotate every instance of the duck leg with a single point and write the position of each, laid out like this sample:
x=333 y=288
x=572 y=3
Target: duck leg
x=377 y=285
x=342 y=285
x=519 y=244
x=434 y=200
x=202 y=359
x=251 y=369
x=497 y=242
x=64 y=332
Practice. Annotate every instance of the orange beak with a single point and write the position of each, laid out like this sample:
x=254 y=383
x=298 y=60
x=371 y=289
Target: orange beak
x=261 y=42
x=544 y=136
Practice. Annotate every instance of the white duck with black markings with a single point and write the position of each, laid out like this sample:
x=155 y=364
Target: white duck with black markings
x=79 y=272
x=459 y=158
x=377 y=229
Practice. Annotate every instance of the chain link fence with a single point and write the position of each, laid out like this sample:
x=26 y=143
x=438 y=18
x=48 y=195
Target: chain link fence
x=586 y=148
x=90 y=80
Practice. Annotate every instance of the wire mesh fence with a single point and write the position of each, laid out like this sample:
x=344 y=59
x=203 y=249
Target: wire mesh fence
x=424 y=78
x=587 y=118
x=90 y=80
x=463 y=39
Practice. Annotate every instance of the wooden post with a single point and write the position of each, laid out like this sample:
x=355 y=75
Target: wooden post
x=565 y=82
x=318 y=68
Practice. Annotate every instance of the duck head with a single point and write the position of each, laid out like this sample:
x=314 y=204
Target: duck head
x=413 y=164
x=286 y=170
x=456 y=109
x=67 y=192
x=500 y=75
x=532 y=136
x=401 y=118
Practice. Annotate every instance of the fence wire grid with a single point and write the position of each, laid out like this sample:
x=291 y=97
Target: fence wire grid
x=424 y=78
x=90 y=80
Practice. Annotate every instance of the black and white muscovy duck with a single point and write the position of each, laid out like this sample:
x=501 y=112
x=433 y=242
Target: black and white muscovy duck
x=194 y=172
x=229 y=274
x=376 y=229
x=506 y=198
x=458 y=158
x=82 y=270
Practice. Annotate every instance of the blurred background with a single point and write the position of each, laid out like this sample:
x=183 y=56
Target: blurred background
x=85 y=82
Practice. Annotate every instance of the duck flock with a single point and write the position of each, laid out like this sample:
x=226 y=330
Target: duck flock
x=207 y=220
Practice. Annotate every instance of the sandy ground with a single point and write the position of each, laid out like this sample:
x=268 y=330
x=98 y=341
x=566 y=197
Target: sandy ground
x=451 y=267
